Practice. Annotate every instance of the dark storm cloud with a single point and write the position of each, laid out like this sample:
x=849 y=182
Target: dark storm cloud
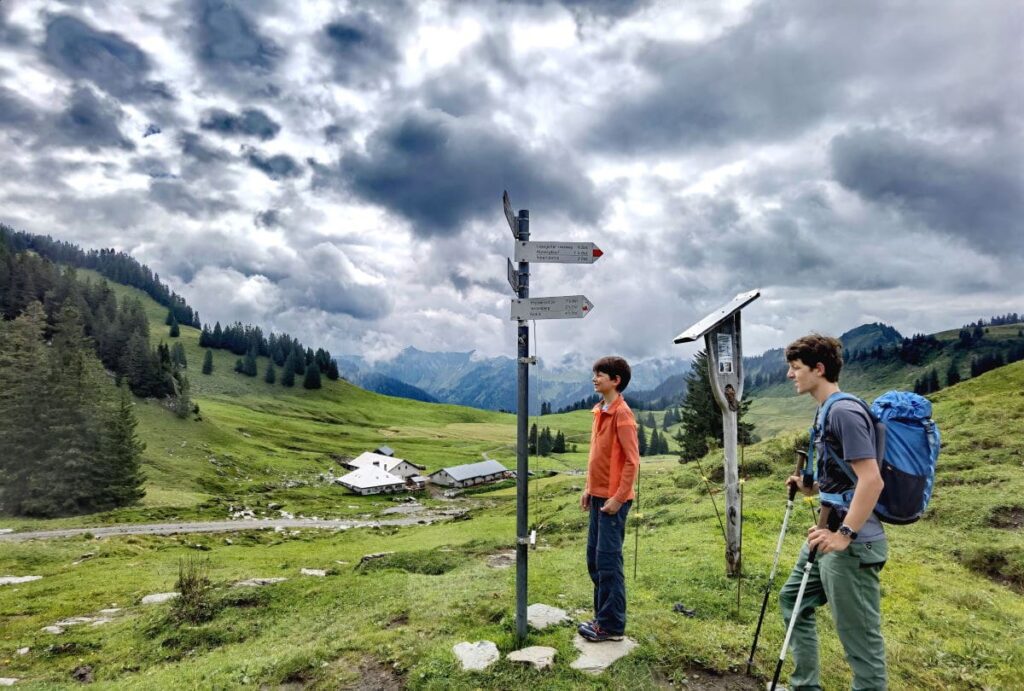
x=194 y=146
x=277 y=167
x=270 y=218
x=440 y=172
x=755 y=81
x=112 y=63
x=974 y=195
x=230 y=46
x=88 y=122
x=361 y=49
x=251 y=122
x=15 y=111
x=174 y=196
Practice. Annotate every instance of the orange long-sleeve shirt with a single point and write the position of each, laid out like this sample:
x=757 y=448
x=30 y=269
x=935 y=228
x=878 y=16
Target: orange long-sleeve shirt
x=614 y=452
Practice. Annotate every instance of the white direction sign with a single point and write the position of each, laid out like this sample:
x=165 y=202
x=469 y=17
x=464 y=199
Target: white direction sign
x=562 y=307
x=557 y=252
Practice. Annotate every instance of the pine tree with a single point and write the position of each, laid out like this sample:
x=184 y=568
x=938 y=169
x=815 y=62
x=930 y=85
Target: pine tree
x=545 y=442
x=641 y=437
x=952 y=374
x=654 y=445
x=183 y=397
x=122 y=457
x=249 y=367
x=312 y=378
x=240 y=366
x=288 y=375
x=933 y=381
x=332 y=370
x=559 y=444
x=208 y=362
x=178 y=356
x=270 y=376
x=175 y=330
x=532 y=446
x=700 y=416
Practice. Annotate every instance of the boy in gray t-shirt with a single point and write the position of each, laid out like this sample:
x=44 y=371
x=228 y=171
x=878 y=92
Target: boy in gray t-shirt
x=845 y=574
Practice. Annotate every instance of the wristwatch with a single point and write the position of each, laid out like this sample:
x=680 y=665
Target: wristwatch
x=848 y=531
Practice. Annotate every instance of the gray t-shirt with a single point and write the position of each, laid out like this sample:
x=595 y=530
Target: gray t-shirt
x=850 y=435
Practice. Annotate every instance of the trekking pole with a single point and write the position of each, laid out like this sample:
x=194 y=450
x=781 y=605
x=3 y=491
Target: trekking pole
x=710 y=494
x=801 y=469
x=775 y=566
x=823 y=521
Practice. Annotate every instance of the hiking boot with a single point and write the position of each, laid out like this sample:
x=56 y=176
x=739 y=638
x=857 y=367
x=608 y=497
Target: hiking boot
x=595 y=634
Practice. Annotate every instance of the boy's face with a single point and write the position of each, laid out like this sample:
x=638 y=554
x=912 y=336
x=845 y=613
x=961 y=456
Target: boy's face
x=805 y=378
x=603 y=384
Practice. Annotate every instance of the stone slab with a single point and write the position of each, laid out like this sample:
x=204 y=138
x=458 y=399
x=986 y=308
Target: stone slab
x=595 y=658
x=540 y=656
x=14 y=580
x=320 y=573
x=541 y=616
x=157 y=598
x=8 y=681
x=476 y=656
x=258 y=582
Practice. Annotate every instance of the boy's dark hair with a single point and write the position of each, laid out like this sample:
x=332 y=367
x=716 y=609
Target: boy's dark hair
x=615 y=367
x=816 y=348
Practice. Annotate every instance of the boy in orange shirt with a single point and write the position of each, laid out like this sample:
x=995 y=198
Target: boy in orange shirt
x=608 y=496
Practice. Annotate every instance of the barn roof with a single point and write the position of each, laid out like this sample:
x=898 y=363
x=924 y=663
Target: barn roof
x=471 y=470
x=369 y=477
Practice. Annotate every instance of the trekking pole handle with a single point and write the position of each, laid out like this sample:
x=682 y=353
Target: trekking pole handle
x=801 y=457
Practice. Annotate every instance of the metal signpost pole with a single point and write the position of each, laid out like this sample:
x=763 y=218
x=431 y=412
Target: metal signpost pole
x=522 y=420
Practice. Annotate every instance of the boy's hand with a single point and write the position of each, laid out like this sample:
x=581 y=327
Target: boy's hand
x=611 y=506
x=798 y=480
x=826 y=541
x=584 y=502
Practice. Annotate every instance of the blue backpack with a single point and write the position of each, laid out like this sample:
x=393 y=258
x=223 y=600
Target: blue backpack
x=907 y=442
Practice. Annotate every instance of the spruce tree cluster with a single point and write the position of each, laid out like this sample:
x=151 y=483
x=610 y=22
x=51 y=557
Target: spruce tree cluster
x=69 y=442
x=927 y=383
x=544 y=443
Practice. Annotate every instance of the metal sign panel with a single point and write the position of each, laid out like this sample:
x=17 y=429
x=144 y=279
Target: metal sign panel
x=717 y=317
x=558 y=252
x=513 y=276
x=562 y=307
x=510 y=215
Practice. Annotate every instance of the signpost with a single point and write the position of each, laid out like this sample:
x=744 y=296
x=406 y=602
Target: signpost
x=524 y=309
x=558 y=252
x=722 y=341
x=564 y=307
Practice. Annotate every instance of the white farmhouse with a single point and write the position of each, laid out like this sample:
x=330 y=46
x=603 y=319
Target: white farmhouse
x=390 y=464
x=470 y=474
x=371 y=480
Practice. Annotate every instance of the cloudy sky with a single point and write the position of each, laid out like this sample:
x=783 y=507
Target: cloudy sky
x=335 y=170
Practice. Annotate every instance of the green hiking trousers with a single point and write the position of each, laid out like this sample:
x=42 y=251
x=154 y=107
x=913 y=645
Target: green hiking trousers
x=848 y=582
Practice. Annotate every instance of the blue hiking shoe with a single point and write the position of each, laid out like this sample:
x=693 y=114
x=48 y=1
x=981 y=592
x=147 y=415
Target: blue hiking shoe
x=593 y=632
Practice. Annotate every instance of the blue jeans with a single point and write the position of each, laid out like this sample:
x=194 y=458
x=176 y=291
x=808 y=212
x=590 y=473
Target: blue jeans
x=604 y=562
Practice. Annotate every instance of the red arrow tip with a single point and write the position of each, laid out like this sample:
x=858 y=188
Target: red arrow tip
x=598 y=252
x=585 y=308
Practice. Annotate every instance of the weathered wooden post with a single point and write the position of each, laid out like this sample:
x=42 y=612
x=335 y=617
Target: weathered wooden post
x=723 y=342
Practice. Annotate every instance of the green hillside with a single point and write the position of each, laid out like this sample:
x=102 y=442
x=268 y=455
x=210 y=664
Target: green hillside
x=952 y=601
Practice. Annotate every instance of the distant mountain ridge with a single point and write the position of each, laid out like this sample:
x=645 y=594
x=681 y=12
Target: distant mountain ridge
x=465 y=378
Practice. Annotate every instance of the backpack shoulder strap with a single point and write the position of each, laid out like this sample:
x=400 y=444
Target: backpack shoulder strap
x=822 y=421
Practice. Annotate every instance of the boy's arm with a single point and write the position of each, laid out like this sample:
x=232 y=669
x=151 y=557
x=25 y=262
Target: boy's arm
x=626 y=431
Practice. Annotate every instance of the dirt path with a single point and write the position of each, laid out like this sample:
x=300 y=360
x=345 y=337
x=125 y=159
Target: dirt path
x=231 y=526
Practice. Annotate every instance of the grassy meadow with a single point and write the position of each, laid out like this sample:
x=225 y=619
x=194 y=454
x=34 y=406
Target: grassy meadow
x=952 y=593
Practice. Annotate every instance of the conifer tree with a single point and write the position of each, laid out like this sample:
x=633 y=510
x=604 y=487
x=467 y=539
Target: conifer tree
x=641 y=438
x=270 y=376
x=178 y=356
x=532 y=447
x=249 y=367
x=122 y=457
x=208 y=362
x=700 y=416
x=175 y=329
x=288 y=375
x=183 y=397
x=654 y=445
x=559 y=444
x=332 y=370
x=312 y=378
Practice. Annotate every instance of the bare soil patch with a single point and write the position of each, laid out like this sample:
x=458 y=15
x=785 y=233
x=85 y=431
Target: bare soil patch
x=1007 y=517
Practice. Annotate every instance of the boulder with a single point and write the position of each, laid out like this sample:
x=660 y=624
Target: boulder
x=476 y=656
x=313 y=572
x=540 y=656
x=55 y=630
x=14 y=580
x=541 y=616
x=597 y=657
x=8 y=681
x=157 y=598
